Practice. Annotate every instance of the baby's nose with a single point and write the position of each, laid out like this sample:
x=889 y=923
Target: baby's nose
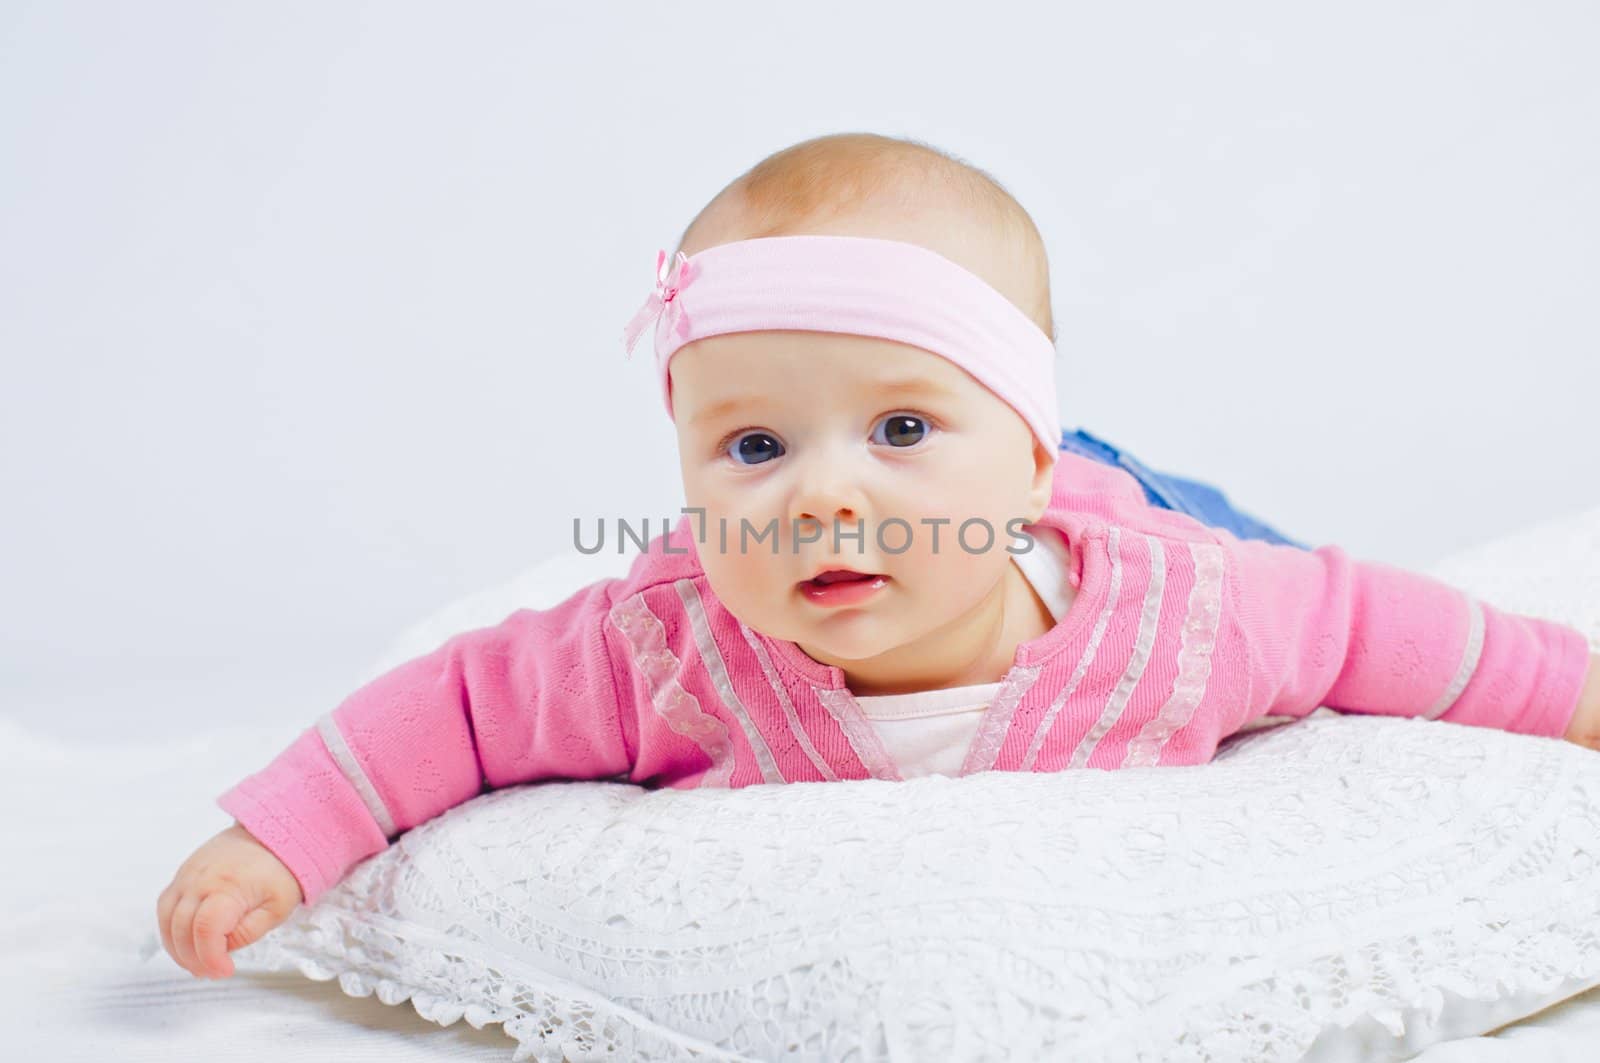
x=826 y=500
x=828 y=488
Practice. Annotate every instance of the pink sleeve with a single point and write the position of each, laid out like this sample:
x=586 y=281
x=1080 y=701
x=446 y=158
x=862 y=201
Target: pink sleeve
x=540 y=695
x=1367 y=637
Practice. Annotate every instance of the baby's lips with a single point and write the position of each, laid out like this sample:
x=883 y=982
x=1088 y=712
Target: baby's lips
x=838 y=575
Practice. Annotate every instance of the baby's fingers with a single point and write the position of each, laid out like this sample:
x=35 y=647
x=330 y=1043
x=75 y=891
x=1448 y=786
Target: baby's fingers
x=182 y=933
x=165 y=905
x=250 y=929
x=216 y=917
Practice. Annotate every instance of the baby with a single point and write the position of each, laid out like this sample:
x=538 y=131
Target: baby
x=886 y=568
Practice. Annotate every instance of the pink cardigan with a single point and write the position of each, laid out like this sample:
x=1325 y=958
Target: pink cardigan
x=1178 y=636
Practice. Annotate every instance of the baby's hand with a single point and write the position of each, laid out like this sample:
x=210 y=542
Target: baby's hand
x=1584 y=729
x=228 y=893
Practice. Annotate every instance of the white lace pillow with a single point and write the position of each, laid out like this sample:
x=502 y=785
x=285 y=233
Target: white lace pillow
x=1345 y=887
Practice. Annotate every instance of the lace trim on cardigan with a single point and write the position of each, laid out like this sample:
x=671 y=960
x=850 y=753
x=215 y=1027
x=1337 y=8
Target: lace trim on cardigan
x=841 y=705
x=995 y=723
x=679 y=708
x=711 y=654
x=1198 y=639
x=1149 y=620
x=776 y=682
x=1114 y=547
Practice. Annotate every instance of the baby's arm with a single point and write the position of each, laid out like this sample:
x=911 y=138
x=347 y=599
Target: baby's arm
x=1367 y=637
x=533 y=697
x=540 y=695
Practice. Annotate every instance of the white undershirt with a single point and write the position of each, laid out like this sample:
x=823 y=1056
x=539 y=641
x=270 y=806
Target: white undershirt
x=928 y=732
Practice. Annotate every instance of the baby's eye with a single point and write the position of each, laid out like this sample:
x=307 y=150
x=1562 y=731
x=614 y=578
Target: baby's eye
x=758 y=447
x=902 y=430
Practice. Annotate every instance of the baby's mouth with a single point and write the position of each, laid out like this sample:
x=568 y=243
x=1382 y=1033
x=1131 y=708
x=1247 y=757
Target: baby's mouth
x=841 y=587
x=840 y=575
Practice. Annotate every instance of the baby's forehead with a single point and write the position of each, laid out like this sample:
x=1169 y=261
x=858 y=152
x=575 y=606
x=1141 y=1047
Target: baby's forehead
x=776 y=358
x=753 y=372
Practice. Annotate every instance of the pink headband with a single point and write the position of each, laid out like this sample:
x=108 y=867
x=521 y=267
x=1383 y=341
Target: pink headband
x=861 y=285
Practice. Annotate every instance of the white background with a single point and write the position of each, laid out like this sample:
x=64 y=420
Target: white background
x=310 y=312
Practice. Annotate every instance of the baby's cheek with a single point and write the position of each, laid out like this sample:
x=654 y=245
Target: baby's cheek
x=959 y=545
x=959 y=572
x=745 y=578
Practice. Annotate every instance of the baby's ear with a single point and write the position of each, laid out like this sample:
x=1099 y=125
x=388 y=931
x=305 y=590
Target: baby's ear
x=1044 y=477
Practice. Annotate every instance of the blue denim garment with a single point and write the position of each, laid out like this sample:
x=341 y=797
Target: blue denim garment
x=1199 y=500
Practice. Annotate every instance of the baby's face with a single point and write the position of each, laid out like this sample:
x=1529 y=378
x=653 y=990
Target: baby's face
x=788 y=434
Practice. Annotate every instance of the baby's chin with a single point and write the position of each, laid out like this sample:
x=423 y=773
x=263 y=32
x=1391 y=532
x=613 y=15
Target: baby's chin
x=846 y=653
x=854 y=641
x=845 y=634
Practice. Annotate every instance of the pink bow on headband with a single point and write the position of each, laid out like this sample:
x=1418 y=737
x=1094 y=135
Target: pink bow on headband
x=667 y=289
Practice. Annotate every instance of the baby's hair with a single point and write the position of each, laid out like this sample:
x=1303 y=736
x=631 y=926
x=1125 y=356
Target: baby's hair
x=833 y=174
